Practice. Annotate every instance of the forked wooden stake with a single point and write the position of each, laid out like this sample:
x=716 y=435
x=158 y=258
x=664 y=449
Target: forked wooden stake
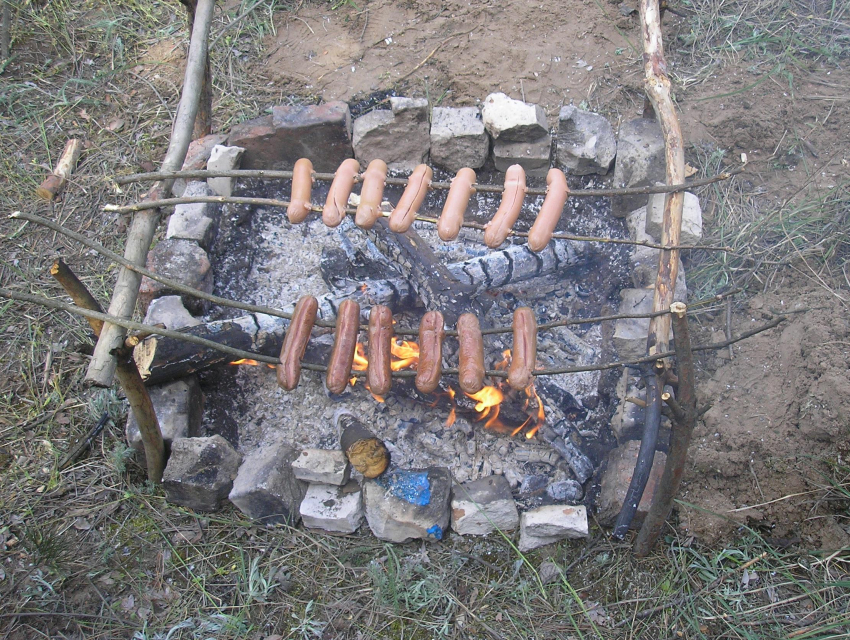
x=54 y=183
x=126 y=371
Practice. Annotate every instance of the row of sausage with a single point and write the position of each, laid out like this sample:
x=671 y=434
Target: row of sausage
x=404 y=213
x=471 y=369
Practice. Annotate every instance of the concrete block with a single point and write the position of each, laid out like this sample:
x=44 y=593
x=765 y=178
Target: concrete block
x=200 y=472
x=630 y=333
x=195 y=220
x=181 y=260
x=179 y=408
x=169 y=311
x=224 y=159
x=535 y=156
x=458 y=138
x=585 y=142
x=640 y=162
x=617 y=474
x=549 y=524
x=482 y=506
x=512 y=120
x=691 y=217
x=411 y=504
x=196 y=158
x=266 y=488
x=322 y=466
x=401 y=137
x=333 y=508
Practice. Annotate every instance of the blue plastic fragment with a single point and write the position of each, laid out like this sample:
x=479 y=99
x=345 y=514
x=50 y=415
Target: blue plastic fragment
x=410 y=486
x=436 y=531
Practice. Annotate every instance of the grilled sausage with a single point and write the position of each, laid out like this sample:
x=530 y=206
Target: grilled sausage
x=451 y=220
x=470 y=371
x=506 y=215
x=414 y=193
x=557 y=193
x=369 y=209
x=345 y=342
x=295 y=342
x=343 y=182
x=302 y=189
x=430 y=366
x=525 y=349
x=379 y=374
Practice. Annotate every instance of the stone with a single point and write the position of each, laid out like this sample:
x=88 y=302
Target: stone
x=512 y=120
x=640 y=163
x=552 y=523
x=179 y=408
x=534 y=156
x=628 y=419
x=169 y=311
x=616 y=476
x=630 y=333
x=636 y=224
x=565 y=491
x=266 y=488
x=458 y=138
x=333 y=508
x=585 y=142
x=482 y=506
x=200 y=472
x=410 y=504
x=401 y=137
x=321 y=133
x=322 y=466
x=181 y=260
x=691 y=217
x=196 y=158
x=195 y=220
x=224 y=159
x=644 y=263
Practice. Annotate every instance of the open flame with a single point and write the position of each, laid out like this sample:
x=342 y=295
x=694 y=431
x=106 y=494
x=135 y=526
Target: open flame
x=252 y=363
x=487 y=405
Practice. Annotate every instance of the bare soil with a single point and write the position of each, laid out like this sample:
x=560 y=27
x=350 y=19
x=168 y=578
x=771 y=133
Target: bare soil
x=781 y=404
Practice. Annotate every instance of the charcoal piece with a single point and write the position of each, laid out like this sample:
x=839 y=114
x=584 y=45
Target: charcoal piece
x=531 y=486
x=579 y=463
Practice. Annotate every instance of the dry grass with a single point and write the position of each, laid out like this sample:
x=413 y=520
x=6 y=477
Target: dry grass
x=94 y=552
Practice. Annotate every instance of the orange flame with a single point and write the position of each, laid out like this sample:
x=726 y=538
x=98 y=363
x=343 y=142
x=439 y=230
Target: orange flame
x=251 y=362
x=505 y=362
x=453 y=413
x=487 y=404
x=406 y=353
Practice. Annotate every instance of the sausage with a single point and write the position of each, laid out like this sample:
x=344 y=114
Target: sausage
x=302 y=188
x=506 y=215
x=345 y=342
x=451 y=220
x=525 y=349
x=369 y=209
x=470 y=371
x=557 y=193
x=379 y=374
x=414 y=194
x=430 y=366
x=343 y=183
x=295 y=342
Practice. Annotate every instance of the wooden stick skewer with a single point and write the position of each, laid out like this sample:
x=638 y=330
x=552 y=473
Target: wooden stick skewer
x=54 y=183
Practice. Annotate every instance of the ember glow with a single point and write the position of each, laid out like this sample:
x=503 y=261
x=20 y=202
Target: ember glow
x=250 y=362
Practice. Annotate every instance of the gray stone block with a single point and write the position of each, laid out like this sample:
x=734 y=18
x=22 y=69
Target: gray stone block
x=200 y=472
x=691 y=217
x=640 y=163
x=196 y=158
x=617 y=474
x=535 y=156
x=179 y=408
x=322 y=466
x=321 y=133
x=549 y=524
x=482 y=506
x=401 y=137
x=630 y=333
x=224 y=159
x=636 y=224
x=644 y=263
x=169 y=311
x=181 y=260
x=333 y=508
x=458 y=138
x=411 y=504
x=194 y=220
x=266 y=488
x=512 y=120
x=585 y=142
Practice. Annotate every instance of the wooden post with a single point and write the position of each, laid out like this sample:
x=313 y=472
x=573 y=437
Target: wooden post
x=103 y=363
x=684 y=420
x=54 y=183
x=126 y=371
x=203 y=120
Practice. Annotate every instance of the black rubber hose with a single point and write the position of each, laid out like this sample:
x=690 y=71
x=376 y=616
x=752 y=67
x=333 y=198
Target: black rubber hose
x=645 y=457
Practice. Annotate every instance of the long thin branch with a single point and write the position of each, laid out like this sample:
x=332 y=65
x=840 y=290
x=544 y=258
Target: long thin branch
x=103 y=363
x=239 y=354
x=269 y=174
